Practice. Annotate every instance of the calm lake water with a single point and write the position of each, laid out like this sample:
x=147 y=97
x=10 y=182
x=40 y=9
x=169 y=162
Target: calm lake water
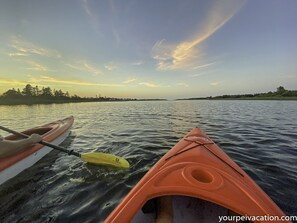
x=260 y=136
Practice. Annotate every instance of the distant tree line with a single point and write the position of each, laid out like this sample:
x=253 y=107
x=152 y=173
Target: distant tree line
x=34 y=95
x=29 y=91
x=280 y=92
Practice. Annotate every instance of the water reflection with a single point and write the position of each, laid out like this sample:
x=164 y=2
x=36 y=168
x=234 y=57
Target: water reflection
x=259 y=135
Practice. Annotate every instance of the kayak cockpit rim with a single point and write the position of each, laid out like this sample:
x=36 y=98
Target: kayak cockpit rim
x=39 y=130
x=184 y=209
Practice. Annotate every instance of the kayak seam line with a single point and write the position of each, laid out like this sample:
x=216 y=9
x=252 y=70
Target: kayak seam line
x=185 y=150
x=204 y=145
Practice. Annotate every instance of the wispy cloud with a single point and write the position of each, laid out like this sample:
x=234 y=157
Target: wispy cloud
x=87 y=8
x=94 y=21
x=287 y=76
x=83 y=65
x=91 y=68
x=137 y=63
x=215 y=83
x=110 y=66
x=204 y=69
x=149 y=84
x=182 y=84
x=18 y=54
x=47 y=80
x=202 y=72
x=27 y=52
x=35 y=66
x=29 y=64
x=130 y=80
x=188 y=54
x=24 y=48
x=204 y=66
x=12 y=82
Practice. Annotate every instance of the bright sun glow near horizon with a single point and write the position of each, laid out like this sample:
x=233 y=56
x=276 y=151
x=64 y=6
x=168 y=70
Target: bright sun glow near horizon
x=149 y=49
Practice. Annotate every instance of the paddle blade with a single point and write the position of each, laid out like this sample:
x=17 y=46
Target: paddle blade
x=105 y=159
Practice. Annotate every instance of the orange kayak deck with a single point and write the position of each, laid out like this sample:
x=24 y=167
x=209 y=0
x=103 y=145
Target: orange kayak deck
x=196 y=167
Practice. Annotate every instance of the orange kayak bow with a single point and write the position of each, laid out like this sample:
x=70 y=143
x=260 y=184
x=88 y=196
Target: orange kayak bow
x=204 y=185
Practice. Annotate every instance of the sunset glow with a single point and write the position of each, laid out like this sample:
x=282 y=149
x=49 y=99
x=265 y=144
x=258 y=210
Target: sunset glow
x=149 y=49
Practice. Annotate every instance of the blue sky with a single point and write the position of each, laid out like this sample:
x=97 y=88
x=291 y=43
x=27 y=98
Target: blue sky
x=149 y=49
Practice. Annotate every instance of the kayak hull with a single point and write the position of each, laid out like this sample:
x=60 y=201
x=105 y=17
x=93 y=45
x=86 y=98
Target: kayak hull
x=197 y=168
x=54 y=133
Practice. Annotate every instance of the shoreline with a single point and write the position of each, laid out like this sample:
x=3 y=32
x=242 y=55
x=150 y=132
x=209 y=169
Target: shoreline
x=44 y=101
x=243 y=99
x=32 y=95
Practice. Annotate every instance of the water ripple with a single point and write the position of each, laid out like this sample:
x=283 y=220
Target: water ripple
x=258 y=136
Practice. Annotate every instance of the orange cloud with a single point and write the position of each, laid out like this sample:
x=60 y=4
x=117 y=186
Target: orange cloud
x=187 y=54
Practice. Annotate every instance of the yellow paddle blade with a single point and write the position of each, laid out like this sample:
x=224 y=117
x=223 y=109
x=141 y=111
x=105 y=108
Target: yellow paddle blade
x=105 y=159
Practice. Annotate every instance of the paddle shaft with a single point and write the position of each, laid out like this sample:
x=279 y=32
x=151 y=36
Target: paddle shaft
x=69 y=152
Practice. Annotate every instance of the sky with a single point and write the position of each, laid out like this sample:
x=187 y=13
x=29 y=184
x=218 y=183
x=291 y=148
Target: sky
x=149 y=49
